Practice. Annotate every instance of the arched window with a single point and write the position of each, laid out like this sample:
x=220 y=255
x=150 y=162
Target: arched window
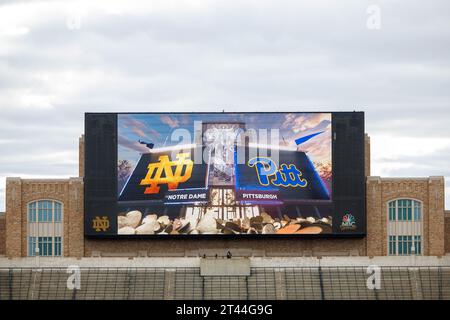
x=45 y=228
x=405 y=227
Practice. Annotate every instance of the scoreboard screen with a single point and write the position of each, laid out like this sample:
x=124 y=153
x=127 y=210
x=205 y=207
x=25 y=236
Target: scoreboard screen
x=224 y=174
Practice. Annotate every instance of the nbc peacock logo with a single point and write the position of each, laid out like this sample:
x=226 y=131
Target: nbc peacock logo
x=348 y=222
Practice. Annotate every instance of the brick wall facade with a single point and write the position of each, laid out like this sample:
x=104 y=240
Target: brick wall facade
x=19 y=192
x=81 y=156
x=447 y=232
x=367 y=155
x=2 y=233
x=195 y=247
x=430 y=191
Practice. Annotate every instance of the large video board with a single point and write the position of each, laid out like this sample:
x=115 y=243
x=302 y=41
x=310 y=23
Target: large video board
x=224 y=174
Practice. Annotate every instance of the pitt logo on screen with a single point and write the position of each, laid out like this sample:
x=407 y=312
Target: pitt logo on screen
x=155 y=176
x=268 y=173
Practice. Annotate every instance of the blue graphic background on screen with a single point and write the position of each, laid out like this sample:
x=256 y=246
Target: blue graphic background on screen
x=315 y=189
x=157 y=129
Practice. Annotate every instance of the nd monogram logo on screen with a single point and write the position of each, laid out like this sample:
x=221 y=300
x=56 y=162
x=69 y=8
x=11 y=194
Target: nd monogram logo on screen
x=155 y=176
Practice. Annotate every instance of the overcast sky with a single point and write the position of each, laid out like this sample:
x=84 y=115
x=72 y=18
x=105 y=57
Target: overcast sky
x=59 y=60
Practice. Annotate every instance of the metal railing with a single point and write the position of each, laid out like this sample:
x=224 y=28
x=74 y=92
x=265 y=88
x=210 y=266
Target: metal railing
x=262 y=284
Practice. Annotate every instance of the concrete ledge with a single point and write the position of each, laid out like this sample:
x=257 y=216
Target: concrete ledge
x=256 y=262
x=118 y=254
x=166 y=254
x=207 y=252
x=225 y=267
x=222 y=252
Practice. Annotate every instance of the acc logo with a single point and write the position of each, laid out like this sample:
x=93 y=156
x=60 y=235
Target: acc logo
x=155 y=172
x=268 y=173
x=348 y=222
x=100 y=224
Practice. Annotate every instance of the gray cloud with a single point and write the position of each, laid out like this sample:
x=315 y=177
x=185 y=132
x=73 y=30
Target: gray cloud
x=257 y=56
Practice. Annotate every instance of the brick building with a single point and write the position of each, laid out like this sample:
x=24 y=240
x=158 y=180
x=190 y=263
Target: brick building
x=419 y=226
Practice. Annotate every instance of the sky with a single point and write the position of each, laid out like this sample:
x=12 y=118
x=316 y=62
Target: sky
x=387 y=58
